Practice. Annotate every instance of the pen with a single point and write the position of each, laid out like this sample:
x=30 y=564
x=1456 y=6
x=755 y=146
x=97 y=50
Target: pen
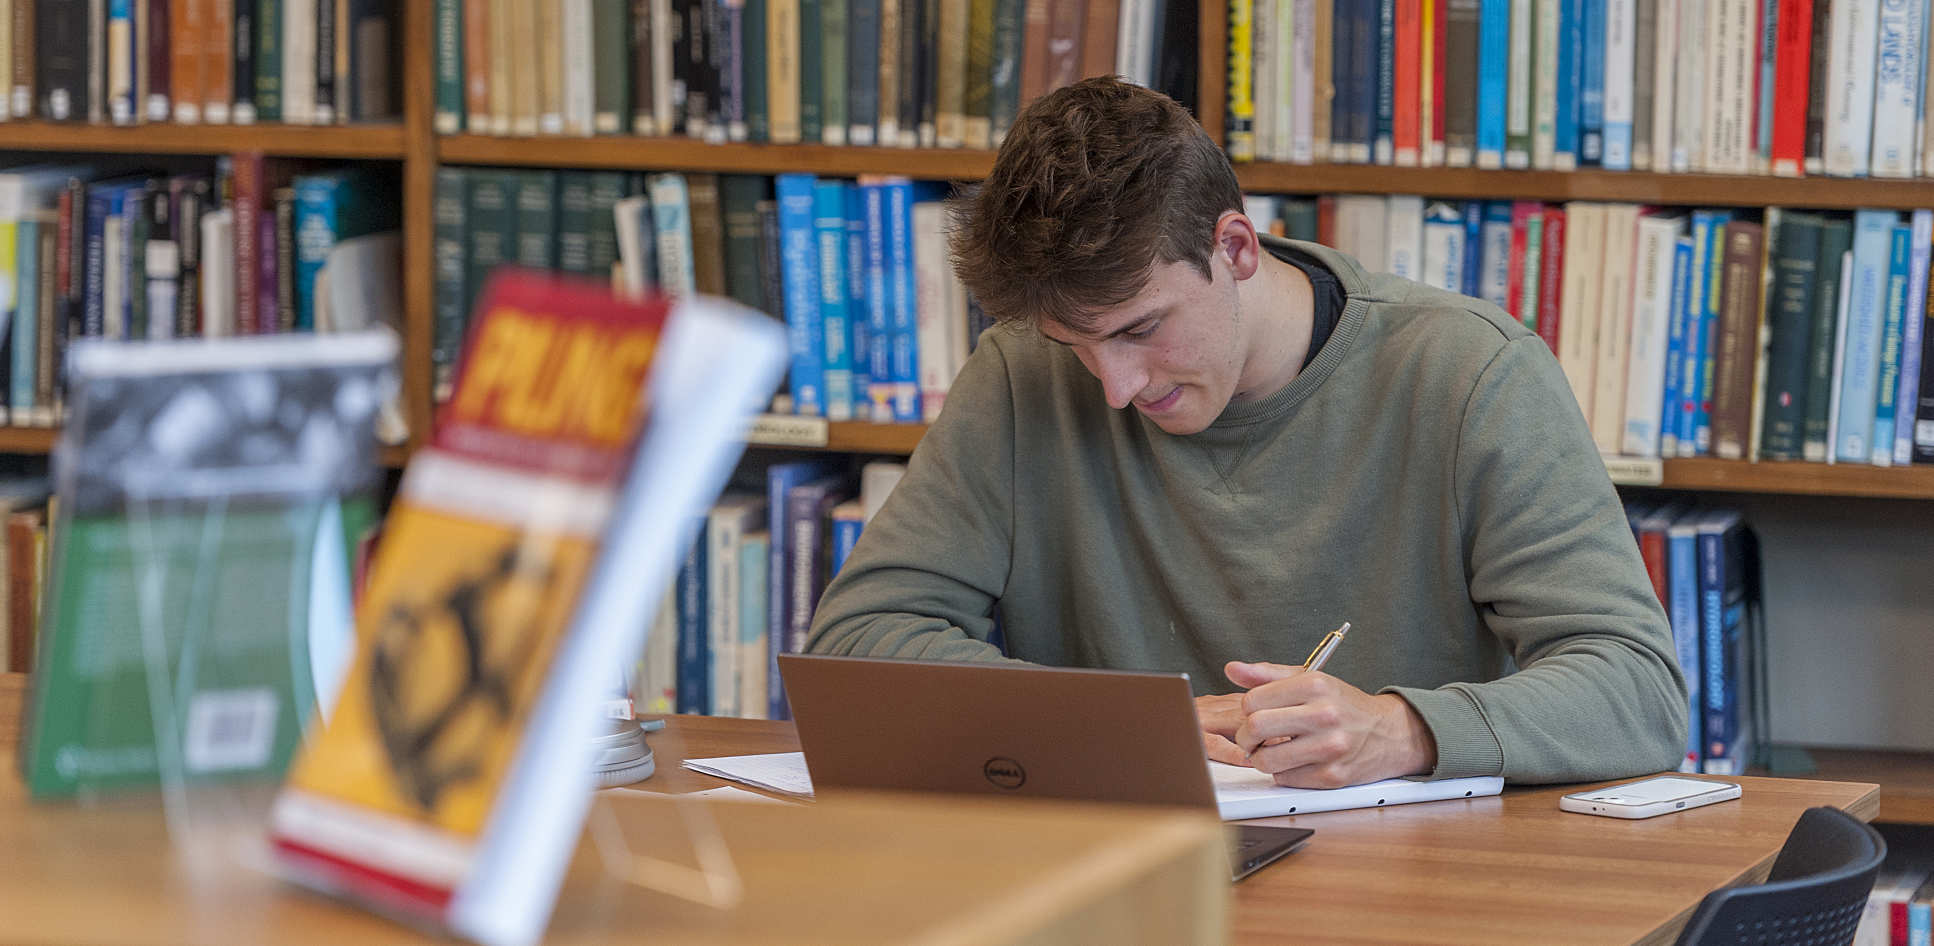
x=1326 y=647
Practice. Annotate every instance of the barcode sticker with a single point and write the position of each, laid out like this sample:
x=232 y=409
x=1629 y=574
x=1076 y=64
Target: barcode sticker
x=230 y=729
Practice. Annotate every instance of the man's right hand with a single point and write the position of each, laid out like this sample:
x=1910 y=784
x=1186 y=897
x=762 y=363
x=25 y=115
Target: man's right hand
x=1221 y=715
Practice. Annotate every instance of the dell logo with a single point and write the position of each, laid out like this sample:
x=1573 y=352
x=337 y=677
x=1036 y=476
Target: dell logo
x=1004 y=772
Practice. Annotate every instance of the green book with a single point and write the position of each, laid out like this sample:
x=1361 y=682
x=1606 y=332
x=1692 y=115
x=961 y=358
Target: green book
x=450 y=223
x=739 y=196
x=607 y=188
x=197 y=591
x=449 y=66
x=536 y=203
x=493 y=227
x=752 y=31
x=833 y=42
x=1789 y=313
x=268 y=61
x=1836 y=239
x=977 y=105
x=574 y=222
x=136 y=216
x=610 y=66
x=811 y=72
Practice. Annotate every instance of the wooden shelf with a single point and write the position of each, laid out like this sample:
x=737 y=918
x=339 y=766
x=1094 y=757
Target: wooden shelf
x=1802 y=479
x=375 y=141
x=685 y=154
x=27 y=439
x=1906 y=779
x=816 y=433
x=1702 y=190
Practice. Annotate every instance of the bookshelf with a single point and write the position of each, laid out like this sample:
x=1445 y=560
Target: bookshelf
x=413 y=143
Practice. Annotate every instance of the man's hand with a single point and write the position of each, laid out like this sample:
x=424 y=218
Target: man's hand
x=1220 y=716
x=1311 y=730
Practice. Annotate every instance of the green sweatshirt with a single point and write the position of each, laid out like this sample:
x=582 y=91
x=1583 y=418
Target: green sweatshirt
x=1428 y=478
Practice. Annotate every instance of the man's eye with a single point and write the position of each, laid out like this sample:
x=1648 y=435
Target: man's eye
x=1145 y=331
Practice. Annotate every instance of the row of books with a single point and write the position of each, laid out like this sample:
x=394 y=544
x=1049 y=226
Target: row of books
x=1770 y=335
x=748 y=588
x=905 y=73
x=1900 y=908
x=308 y=62
x=251 y=246
x=879 y=324
x=1787 y=87
x=1704 y=566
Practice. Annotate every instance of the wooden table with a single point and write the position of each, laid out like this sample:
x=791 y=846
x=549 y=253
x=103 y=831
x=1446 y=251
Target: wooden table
x=1509 y=869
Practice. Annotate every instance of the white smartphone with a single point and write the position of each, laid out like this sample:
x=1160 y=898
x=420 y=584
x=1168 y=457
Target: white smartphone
x=1648 y=797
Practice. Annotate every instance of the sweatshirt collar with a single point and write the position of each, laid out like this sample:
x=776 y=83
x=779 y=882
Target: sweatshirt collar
x=1348 y=326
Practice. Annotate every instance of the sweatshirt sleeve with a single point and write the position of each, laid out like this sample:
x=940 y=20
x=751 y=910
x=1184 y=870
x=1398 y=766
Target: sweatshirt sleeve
x=1555 y=573
x=924 y=577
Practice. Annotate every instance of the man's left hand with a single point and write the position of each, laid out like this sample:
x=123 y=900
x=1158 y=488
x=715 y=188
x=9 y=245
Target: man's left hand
x=1311 y=730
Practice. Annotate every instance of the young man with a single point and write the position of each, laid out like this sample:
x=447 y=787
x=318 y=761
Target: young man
x=1193 y=447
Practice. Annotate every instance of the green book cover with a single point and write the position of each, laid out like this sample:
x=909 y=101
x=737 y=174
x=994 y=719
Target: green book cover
x=268 y=60
x=1836 y=239
x=811 y=74
x=450 y=226
x=833 y=41
x=536 y=203
x=739 y=196
x=135 y=215
x=977 y=105
x=574 y=222
x=199 y=572
x=610 y=66
x=449 y=66
x=752 y=31
x=1796 y=259
x=607 y=188
x=493 y=227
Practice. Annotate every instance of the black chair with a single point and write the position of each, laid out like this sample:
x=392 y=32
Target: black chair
x=1813 y=897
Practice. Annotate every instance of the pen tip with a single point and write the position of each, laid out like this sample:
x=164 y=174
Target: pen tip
x=1345 y=629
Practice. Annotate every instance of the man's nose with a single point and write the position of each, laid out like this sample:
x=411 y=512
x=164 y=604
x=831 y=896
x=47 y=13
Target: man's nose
x=1121 y=375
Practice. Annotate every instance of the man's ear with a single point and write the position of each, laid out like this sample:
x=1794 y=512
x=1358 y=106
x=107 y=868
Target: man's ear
x=1237 y=244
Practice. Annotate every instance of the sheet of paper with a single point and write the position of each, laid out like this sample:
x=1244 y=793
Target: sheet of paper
x=783 y=772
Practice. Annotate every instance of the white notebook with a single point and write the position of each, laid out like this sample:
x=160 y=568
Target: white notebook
x=1240 y=793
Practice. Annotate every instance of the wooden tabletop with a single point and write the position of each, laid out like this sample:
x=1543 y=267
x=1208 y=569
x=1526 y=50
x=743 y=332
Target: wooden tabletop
x=1509 y=869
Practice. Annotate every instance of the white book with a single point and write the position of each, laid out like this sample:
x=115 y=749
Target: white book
x=218 y=273
x=1722 y=39
x=1369 y=229
x=298 y=62
x=1651 y=315
x=1302 y=86
x=1689 y=127
x=1850 y=87
x=1578 y=332
x=1544 y=93
x=1283 y=60
x=937 y=333
x=114 y=283
x=671 y=221
x=1135 y=42
x=1261 y=209
x=877 y=480
x=1866 y=315
x=1443 y=248
x=580 y=104
x=1665 y=62
x=1897 y=88
x=1262 y=77
x=1923 y=127
x=1518 y=85
x=1615 y=298
x=1403 y=243
x=1621 y=22
x=725 y=529
x=632 y=217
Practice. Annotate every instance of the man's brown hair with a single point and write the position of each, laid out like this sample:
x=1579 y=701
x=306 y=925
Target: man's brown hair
x=1095 y=184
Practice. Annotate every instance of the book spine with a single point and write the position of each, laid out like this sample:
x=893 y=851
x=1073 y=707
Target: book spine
x=694 y=652
x=1495 y=281
x=802 y=296
x=1850 y=112
x=783 y=70
x=1873 y=232
x=1792 y=76
x=1494 y=51
x=879 y=317
x=1913 y=335
x=671 y=219
x=1819 y=76
x=1461 y=68
x=1382 y=135
x=1514 y=290
x=492 y=219
x=919 y=58
x=805 y=562
x=1323 y=79
x=1407 y=63
x=1768 y=48
x=859 y=301
x=1645 y=377
x=829 y=238
x=1709 y=311
x=535 y=201
x=448 y=23
x=1591 y=91
x=755 y=83
x=1645 y=32
x=865 y=79
x=1239 y=120
x=1894 y=313
x=449 y=227
x=896 y=64
x=1738 y=341
x=1836 y=238
x=1546 y=27
x=1678 y=321
x=26 y=281
x=1620 y=25
x=20 y=98
x=1721 y=608
x=1365 y=65
x=1551 y=270
x=1897 y=89
x=607 y=188
x=905 y=364
x=1795 y=261
x=739 y=199
x=574 y=224
x=477 y=66
x=242 y=69
x=276 y=278
x=1614 y=326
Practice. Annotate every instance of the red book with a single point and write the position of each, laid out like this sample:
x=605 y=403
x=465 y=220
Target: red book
x=1434 y=145
x=1410 y=34
x=1326 y=220
x=1521 y=213
x=1551 y=271
x=1791 y=74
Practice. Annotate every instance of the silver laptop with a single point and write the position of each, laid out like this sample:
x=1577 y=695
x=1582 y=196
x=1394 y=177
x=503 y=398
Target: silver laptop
x=1007 y=729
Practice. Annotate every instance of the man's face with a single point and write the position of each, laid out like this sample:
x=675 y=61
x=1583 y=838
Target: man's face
x=1175 y=351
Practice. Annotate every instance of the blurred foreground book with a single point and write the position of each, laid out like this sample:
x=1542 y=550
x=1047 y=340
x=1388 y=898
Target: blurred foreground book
x=515 y=576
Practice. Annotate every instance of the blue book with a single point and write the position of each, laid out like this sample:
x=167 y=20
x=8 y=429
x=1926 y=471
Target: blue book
x=1709 y=337
x=902 y=304
x=1591 y=87
x=1342 y=47
x=1680 y=529
x=1907 y=400
x=1873 y=234
x=1473 y=211
x=103 y=200
x=857 y=310
x=799 y=274
x=1723 y=657
x=1618 y=134
x=879 y=317
x=1444 y=228
x=1571 y=31
x=1675 y=347
x=780 y=480
x=694 y=678
x=330 y=208
x=1383 y=150
x=829 y=233
x=26 y=321
x=1493 y=66
x=1495 y=282
x=1705 y=224
x=809 y=508
x=1769 y=41
x=848 y=519
x=1893 y=315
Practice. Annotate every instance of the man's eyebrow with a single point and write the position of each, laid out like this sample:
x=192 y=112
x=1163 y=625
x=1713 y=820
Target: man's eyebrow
x=1136 y=325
